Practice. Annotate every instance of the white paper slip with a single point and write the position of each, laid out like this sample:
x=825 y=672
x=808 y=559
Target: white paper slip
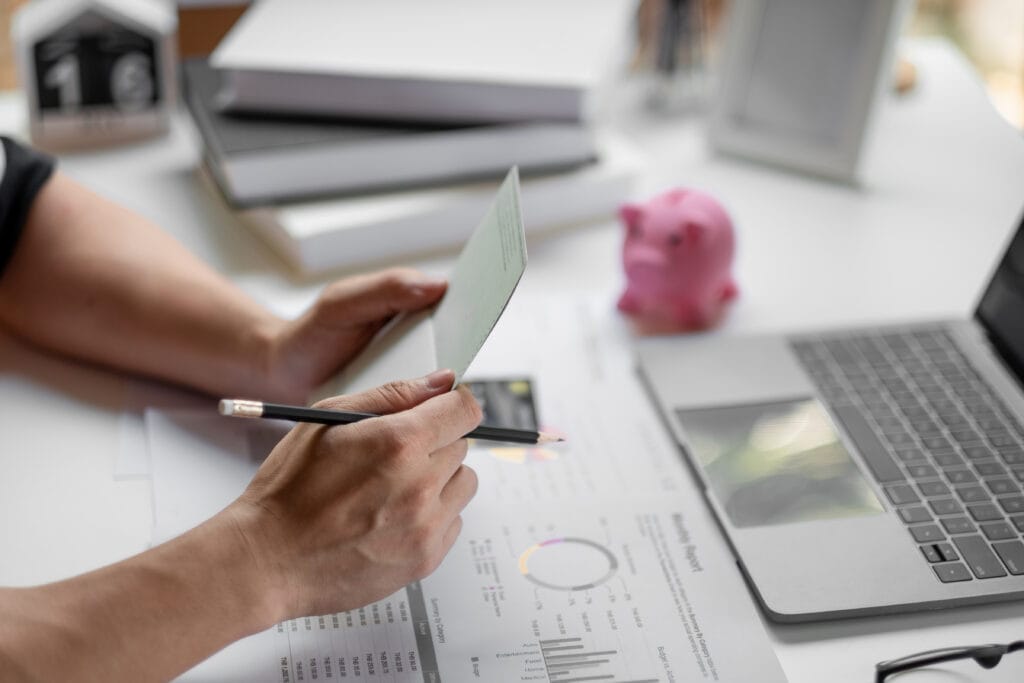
x=481 y=284
x=133 y=461
x=485 y=275
x=133 y=448
x=201 y=462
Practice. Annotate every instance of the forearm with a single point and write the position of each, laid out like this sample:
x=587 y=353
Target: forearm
x=334 y=519
x=96 y=281
x=147 y=618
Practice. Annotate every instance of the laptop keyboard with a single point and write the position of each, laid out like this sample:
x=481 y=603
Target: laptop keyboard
x=943 y=447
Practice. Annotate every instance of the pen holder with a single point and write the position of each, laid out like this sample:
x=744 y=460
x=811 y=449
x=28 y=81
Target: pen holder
x=670 y=57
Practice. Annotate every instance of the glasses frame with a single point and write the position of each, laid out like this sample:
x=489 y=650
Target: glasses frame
x=987 y=657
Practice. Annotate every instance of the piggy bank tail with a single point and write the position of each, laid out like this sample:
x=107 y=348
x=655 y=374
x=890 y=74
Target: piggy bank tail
x=730 y=291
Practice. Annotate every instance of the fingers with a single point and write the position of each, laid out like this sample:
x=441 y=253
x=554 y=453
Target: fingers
x=460 y=489
x=440 y=420
x=394 y=396
x=444 y=543
x=379 y=296
x=421 y=427
x=451 y=534
x=447 y=460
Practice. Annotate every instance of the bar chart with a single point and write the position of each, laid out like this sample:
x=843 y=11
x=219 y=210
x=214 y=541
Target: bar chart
x=569 y=660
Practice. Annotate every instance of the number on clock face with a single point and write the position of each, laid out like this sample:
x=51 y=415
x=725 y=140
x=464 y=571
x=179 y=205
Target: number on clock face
x=64 y=78
x=130 y=81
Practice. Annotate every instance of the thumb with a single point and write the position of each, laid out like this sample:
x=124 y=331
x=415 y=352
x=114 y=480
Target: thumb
x=394 y=397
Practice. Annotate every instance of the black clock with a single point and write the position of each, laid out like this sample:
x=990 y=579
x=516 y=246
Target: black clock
x=96 y=63
x=96 y=71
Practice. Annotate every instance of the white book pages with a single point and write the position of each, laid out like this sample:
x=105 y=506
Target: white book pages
x=347 y=232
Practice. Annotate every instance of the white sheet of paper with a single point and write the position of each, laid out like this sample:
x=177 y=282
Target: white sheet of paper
x=201 y=462
x=640 y=591
x=133 y=460
x=600 y=549
x=133 y=448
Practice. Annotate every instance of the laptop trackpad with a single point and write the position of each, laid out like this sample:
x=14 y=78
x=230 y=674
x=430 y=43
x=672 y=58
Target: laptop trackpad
x=777 y=463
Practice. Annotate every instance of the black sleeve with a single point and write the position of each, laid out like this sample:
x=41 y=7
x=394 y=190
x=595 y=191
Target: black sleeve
x=24 y=173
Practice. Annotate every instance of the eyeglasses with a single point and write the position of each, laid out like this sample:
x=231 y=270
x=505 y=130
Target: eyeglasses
x=987 y=657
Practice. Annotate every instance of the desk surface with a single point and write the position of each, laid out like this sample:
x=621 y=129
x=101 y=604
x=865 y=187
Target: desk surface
x=941 y=193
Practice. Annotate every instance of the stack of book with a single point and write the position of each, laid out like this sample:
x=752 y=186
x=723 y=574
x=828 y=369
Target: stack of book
x=349 y=133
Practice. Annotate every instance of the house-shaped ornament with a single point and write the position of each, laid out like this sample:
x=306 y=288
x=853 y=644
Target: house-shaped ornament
x=96 y=72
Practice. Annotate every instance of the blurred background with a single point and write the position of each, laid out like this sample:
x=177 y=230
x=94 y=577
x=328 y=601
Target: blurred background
x=989 y=32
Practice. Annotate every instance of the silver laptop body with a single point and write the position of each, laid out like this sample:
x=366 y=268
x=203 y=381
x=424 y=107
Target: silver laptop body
x=827 y=517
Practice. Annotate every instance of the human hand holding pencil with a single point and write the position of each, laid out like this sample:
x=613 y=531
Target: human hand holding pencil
x=259 y=409
x=338 y=518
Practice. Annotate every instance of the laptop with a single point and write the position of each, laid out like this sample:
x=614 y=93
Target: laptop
x=864 y=471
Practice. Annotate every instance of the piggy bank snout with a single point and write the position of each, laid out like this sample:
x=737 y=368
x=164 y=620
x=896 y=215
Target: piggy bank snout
x=643 y=255
x=649 y=268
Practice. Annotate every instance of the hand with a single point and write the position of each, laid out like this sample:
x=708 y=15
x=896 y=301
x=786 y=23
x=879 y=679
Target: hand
x=338 y=517
x=306 y=352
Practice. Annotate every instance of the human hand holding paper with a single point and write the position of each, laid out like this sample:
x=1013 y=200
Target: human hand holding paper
x=307 y=351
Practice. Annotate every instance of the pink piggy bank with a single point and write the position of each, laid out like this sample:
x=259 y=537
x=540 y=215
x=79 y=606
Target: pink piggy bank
x=677 y=255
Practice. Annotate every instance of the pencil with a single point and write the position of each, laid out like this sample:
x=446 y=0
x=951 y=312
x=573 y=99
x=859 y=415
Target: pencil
x=245 y=408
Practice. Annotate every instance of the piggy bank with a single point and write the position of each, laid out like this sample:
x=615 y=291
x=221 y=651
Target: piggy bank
x=677 y=255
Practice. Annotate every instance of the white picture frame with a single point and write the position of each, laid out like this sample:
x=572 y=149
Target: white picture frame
x=799 y=81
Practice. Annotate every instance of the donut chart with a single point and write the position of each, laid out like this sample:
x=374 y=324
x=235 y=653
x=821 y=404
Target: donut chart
x=568 y=564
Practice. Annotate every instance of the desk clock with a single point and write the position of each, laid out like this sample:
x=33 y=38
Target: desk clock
x=96 y=72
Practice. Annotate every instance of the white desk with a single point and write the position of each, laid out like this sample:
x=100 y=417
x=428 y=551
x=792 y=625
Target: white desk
x=942 y=190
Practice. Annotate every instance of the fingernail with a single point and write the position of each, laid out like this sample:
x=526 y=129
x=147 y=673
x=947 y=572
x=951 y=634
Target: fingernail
x=440 y=379
x=427 y=288
x=429 y=281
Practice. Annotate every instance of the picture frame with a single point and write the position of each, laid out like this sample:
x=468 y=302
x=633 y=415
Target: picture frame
x=799 y=81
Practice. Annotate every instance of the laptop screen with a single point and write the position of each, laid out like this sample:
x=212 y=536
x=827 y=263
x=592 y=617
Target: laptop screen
x=1001 y=310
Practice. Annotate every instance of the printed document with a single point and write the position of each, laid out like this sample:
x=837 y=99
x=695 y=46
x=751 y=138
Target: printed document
x=592 y=560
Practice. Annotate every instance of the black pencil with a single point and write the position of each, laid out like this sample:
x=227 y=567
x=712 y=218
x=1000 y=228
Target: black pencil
x=246 y=408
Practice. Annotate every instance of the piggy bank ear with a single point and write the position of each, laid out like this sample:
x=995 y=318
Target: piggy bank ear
x=630 y=215
x=676 y=195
